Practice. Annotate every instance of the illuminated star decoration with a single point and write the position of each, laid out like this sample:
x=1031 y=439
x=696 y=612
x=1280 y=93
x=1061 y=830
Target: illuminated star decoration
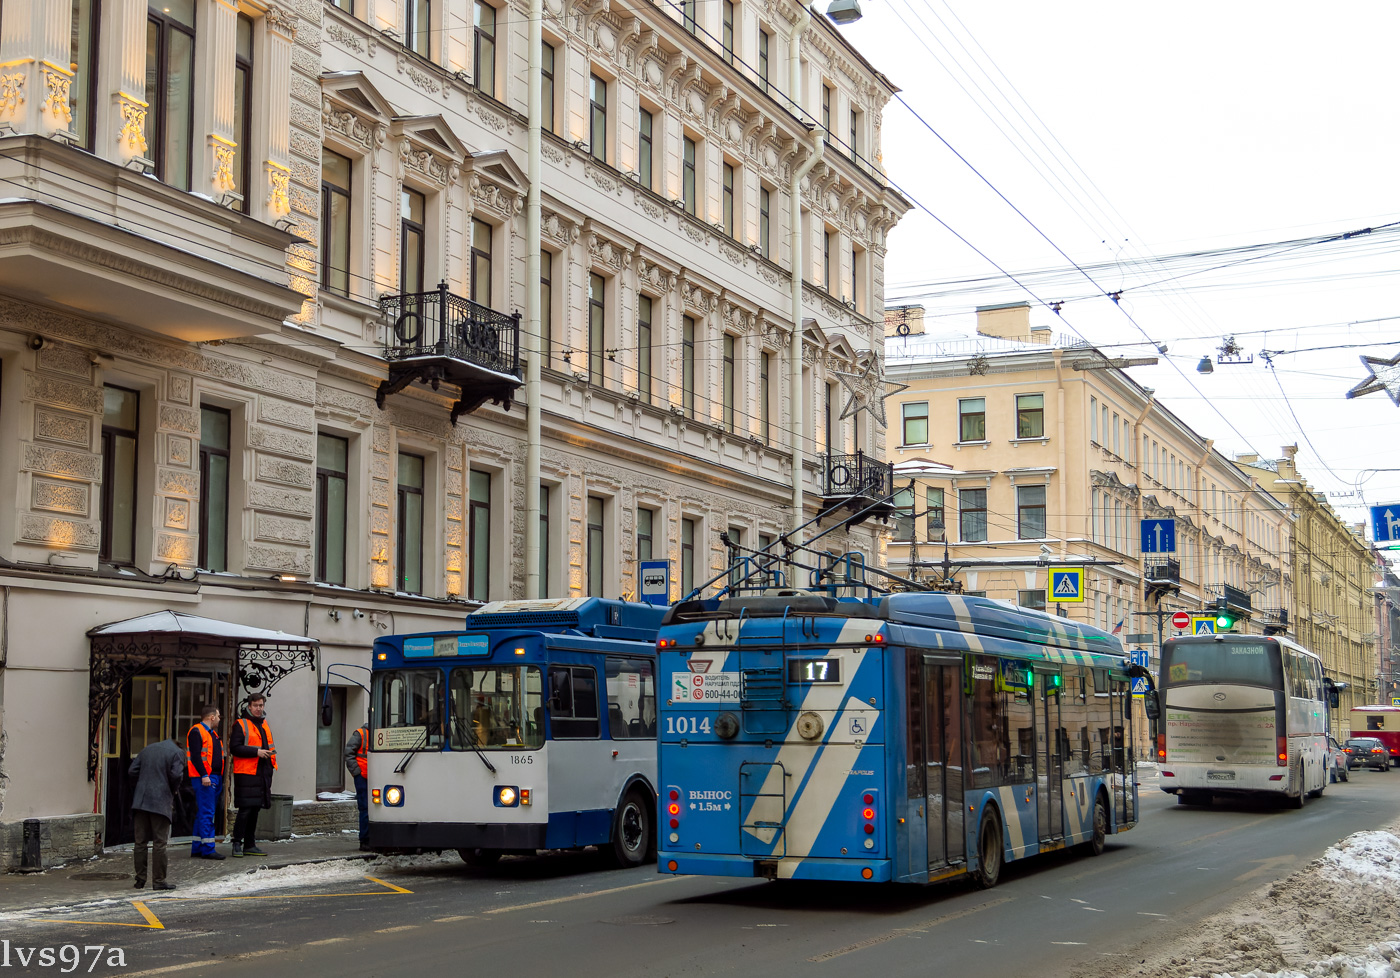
x=868 y=390
x=1385 y=376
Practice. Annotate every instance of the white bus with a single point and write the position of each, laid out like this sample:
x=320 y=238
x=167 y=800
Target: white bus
x=1242 y=714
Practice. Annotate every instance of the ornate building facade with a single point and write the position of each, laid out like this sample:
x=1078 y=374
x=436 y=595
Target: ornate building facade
x=243 y=442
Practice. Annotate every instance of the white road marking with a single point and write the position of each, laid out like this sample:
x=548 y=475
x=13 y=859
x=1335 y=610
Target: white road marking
x=395 y=930
x=582 y=896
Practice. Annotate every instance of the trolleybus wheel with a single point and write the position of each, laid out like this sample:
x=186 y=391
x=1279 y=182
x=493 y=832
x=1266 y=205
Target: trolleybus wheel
x=989 y=850
x=480 y=858
x=633 y=836
x=1094 y=847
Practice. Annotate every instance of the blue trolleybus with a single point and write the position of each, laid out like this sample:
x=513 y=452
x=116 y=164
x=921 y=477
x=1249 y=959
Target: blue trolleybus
x=912 y=738
x=533 y=728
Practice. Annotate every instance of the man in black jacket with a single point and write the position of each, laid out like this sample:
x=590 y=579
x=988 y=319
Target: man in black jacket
x=254 y=760
x=159 y=771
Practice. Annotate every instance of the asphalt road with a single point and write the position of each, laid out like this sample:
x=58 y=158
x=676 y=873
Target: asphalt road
x=568 y=913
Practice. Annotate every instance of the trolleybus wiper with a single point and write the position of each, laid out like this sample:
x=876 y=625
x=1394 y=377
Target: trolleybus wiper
x=417 y=746
x=470 y=737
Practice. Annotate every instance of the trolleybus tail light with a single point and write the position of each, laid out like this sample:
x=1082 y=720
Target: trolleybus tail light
x=506 y=796
x=867 y=815
x=1283 y=752
x=393 y=796
x=1161 y=747
x=524 y=796
x=665 y=643
x=375 y=796
x=673 y=815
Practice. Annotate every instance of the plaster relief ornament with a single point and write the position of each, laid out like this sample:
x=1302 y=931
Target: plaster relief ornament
x=868 y=390
x=1385 y=376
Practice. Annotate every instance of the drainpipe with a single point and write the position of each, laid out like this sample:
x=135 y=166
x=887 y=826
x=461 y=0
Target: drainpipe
x=533 y=585
x=795 y=249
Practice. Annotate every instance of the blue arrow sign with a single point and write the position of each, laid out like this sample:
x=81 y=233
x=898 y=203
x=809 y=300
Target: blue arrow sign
x=1139 y=657
x=1385 y=523
x=1158 y=536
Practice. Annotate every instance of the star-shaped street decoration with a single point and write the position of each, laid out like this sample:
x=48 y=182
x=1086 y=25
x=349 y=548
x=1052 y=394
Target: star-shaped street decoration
x=1385 y=376
x=868 y=390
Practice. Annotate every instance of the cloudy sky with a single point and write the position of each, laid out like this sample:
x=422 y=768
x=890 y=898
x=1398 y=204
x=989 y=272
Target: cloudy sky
x=1194 y=156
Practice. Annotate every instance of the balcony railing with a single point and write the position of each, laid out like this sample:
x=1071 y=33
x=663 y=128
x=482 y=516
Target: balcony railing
x=1163 y=572
x=858 y=483
x=439 y=336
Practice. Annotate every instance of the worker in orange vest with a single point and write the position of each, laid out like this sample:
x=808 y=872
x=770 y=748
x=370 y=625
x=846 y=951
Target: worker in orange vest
x=357 y=763
x=204 y=759
x=254 y=760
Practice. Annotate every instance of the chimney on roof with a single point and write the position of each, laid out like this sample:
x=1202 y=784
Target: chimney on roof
x=1288 y=465
x=1009 y=320
x=1041 y=335
x=1247 y=458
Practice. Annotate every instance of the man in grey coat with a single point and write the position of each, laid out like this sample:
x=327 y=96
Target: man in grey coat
x=160 y=773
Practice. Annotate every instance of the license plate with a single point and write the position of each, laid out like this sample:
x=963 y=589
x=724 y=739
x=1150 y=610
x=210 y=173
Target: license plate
x=1220 y=775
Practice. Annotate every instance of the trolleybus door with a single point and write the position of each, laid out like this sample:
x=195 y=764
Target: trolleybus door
x=943 y=753
x=1049 y=760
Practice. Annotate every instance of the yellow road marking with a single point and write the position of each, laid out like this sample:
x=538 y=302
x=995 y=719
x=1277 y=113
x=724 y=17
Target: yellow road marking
x=152 y=921
x=581 y=896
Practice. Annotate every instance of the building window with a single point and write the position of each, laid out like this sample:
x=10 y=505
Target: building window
x=904 y=514
x=546 y=308
x=335 y=222
x=1115 y=433
x=170 y=89
x=854 y=147
x=972 y=515
x=119 y=424
x=688 y=176
x=214 y=427
x=345 y=5
x=826 y=259
x=410 y=513
x=1094 y=419
x=479 y=526
x=547 y=86
x=644 y=131
x=726 y=37
x=764 y=223
x=915 y=422
x=765 y=40
x=687 y=557
x=1030 y=415
x=644 y=380
x=411 y=254
x=595 y=546
x=82 y=55
x=544 y=541
x=765 y=395
x=933 y=509
x=688 y=365
x=596 y=284
x=858 y=279
x=598 y=118
x=1031 y=599
x=688 y=14
x=646 y=524
x=484 y=41
x=826 y=110
x=418 y=28
x=829 y=427
x=1030 y=512
x=481 y=262
x=727 y=201
x=332 y=493
x=243 y=107
x=972 y=419
x=728 y=383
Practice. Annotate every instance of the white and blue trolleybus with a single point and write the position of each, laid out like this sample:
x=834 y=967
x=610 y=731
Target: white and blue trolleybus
x=914 y=737
x=532 y=728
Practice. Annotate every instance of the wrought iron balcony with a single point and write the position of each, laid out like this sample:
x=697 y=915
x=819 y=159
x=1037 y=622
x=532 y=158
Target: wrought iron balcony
x=1237 y=599
x=858 y=483
x=439 y=336
x=1161 y=577
x=1274 y=620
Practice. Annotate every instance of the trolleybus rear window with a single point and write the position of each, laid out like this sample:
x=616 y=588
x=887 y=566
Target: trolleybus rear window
x=1241 y=663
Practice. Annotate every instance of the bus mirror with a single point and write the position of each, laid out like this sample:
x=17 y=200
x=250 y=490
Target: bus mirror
x=327 y=715
x=1334 y=698
x=1149 y=703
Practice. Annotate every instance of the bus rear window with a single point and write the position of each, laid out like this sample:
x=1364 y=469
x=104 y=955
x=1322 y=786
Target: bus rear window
x=1239 y=663
x=407 y=709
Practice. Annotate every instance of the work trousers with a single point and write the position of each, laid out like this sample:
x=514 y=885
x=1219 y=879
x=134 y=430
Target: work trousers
x=245 y=826
x=206 y=797
x=152 y=829
x=362 y=803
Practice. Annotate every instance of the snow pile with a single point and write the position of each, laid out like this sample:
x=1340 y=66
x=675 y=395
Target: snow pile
x=1378 y=961
x=1373 y=856
x=261 y=879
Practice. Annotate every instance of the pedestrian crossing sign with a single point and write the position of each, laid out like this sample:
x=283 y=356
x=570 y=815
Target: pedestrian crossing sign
x=1203 y=625
x=1066 y=584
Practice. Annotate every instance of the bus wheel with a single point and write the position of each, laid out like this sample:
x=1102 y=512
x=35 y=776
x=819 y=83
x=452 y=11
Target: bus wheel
x=633 y=836
x=989 y=851
x=480 y=858
x=1194 y=798
x=1302 y=798
x=1094 y=847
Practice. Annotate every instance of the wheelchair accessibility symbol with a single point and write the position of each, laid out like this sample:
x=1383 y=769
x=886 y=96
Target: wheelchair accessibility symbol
x=857 y=726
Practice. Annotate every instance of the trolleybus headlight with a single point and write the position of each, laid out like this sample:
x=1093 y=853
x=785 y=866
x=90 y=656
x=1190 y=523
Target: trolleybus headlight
x=727 y=726
x=507 y=796
x=393 y=796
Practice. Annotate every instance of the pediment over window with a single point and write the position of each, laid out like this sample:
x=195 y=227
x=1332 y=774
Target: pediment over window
x=432 y=133
x=353 y=108
x=497 y=166
x=813 y=334
x=840 y=348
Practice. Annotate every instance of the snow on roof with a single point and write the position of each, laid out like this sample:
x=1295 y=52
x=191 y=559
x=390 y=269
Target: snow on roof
x=179 y=623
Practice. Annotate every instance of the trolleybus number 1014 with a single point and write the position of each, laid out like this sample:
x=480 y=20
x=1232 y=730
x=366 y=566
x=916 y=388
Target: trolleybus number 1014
x=687 y=725
x=814 y=670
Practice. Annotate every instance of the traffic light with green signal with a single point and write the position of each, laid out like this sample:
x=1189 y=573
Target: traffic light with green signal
x=1224 y=618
